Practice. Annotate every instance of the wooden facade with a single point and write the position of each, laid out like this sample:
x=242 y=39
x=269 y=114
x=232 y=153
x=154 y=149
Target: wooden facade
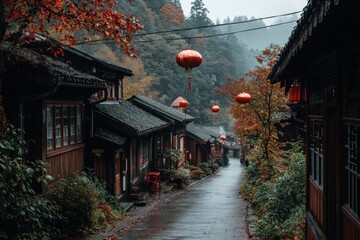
x=125 y=145
x=198 y=142
x=175 y=137
x=47 y=99
x=322 y=54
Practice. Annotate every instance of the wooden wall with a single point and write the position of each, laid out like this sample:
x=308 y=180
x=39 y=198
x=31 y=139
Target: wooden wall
x=351 y=226
x=316 y=202
x=63 y=164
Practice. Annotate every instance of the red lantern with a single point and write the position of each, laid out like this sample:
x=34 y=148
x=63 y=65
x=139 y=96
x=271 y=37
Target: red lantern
x=295 y=93
x=243 y=97
x=215 y=108
x=184 y=104
x=188 y=59
x=212 y=145
x=223 y=137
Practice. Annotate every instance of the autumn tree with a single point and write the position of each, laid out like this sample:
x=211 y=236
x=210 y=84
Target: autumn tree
x=171 y=15
x=262 y=115
x=140 y=83
x=66 y=20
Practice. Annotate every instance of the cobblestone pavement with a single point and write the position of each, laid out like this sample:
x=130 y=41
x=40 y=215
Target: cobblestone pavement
x=209 y=209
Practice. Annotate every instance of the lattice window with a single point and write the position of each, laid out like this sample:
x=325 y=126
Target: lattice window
x=316 y=151
x=352 y=166
x=64 y=125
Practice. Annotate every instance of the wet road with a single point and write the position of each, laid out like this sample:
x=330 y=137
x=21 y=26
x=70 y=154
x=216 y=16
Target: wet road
x=211 y=209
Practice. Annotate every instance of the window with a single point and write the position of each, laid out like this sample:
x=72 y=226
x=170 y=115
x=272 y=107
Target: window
x=352 y=166
x=316 y=151
x=64 y=125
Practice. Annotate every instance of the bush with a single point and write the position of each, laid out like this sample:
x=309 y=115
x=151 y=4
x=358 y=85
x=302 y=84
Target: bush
x=181 y=177
x=172 y=157
x=84 y=202
x=24 y=215
x=197 y=173
x=279 y=202
x=205 y=167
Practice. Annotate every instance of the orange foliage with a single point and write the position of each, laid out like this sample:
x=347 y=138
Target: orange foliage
x=172 y=15
x=260 y=116
x=25 y=18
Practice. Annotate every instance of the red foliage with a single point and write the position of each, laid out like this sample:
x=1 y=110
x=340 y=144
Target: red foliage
x=260 y=116
x=171 y=15
x=25 y=18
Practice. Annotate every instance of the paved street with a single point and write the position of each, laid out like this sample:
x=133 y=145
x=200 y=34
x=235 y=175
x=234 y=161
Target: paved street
x=211 y=209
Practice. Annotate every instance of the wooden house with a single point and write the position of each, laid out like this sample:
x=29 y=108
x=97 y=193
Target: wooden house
x=175 y=136
x=125 y=145
x=322 y=57
x=48 y=100
x=199 y=144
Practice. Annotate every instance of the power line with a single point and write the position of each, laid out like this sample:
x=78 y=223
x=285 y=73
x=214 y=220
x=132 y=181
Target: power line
x=207 y=36
x=215 y=25
x=202 y=27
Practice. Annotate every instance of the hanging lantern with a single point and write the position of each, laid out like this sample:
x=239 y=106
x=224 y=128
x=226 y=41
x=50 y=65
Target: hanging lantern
x=243 y=97
x=295 y=92
x=183 y=104
x=223 y=137
x=215 y=109
x=212 y=145
x=188 y=59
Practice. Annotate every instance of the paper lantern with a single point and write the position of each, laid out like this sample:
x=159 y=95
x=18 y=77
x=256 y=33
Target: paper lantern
x=243 y=97
x=215 y=109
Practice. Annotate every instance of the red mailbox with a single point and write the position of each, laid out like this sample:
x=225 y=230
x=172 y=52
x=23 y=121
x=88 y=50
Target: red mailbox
x=153 y=182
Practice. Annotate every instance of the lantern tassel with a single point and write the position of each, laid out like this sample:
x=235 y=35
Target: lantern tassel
x=189 y=84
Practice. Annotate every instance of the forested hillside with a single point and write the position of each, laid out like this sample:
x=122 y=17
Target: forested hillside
x=156 y=73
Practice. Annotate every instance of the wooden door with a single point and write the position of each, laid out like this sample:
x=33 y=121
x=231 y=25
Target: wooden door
x=118 y=181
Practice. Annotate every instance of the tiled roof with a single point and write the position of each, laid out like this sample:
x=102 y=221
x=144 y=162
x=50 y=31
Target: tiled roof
x=110 y=136
x=60 y=72
x=215 y=130
x=314 y=17
x=161 y=109
x=198 y=132
x=133 y=119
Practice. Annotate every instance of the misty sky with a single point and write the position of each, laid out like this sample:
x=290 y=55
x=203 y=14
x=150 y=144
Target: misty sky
x=219 y=10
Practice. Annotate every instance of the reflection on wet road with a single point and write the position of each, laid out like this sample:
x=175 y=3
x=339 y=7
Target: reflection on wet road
x=211 y=209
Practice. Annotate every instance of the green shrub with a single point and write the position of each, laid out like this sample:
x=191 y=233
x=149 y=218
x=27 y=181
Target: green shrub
x=279 y=202
x=181 y=176
x=84 y=202
x=197 y=173
x=205 y=166
x=77 y=201
x=24 y=215
x=172 y=157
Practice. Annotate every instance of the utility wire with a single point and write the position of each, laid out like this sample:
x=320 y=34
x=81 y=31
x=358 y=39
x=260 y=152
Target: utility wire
x=196 y=37
x=202 y=27
x=214 y=35
x=215 y=25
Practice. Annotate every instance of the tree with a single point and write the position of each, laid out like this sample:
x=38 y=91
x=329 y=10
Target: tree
x=198 y=14
x=262 y=115
x=177 y=4
x=171 y=15
x=21 y=20
x=26 y=18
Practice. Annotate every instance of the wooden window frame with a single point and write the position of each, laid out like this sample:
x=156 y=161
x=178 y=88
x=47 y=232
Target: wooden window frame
x=316 y=151
x=352 y=166
x=78 y=136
